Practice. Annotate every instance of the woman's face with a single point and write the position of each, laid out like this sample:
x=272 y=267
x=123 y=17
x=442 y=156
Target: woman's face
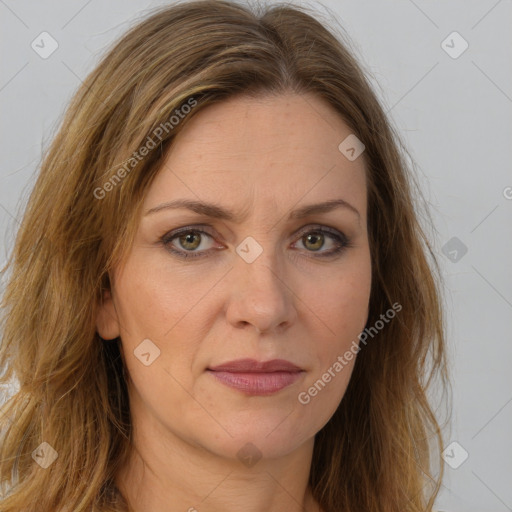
x=260 y=282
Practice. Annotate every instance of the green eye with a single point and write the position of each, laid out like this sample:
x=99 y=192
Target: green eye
x=186 y=241
x=315 y=238
x=190 y=241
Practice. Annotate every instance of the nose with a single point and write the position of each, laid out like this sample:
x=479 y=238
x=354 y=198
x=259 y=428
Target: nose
x=260 y=297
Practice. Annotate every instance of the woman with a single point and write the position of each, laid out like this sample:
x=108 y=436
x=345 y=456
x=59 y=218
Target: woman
x=220 y=294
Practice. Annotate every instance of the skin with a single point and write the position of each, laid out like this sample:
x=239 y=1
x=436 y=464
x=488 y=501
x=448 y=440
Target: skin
x=261 y=158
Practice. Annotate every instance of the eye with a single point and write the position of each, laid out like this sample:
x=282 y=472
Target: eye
x=314 y=240
x=190 y=242
x=187 y=242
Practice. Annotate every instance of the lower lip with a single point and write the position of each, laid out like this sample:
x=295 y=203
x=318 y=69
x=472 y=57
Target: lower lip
x=257 y=383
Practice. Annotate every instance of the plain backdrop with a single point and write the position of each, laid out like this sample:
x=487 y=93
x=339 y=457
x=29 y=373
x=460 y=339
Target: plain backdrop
x=443 y=71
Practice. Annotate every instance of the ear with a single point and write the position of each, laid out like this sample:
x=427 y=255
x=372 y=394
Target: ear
x=107 y=321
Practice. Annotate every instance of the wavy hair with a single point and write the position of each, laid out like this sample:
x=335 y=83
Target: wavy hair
x=381 y=450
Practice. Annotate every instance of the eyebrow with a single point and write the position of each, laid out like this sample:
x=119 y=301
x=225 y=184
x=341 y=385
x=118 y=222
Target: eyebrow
x=218 y=212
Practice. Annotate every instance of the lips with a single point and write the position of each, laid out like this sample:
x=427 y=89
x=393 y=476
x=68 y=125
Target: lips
x=253 y=377
x=253 y=366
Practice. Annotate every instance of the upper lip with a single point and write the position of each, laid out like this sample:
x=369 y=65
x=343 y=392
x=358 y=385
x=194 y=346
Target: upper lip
x=254 y=366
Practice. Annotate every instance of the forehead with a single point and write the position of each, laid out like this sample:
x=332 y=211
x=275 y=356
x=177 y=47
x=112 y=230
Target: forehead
x=274 y=150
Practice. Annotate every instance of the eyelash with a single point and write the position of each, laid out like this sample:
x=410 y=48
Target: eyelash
x=341 y=240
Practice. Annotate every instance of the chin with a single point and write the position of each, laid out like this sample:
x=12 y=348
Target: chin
x=257 y=436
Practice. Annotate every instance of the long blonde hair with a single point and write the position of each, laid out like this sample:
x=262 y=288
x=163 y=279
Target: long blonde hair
x=380 y=450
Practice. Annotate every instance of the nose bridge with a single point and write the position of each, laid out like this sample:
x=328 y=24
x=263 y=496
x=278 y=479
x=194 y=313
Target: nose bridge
x=260 y=263
x=259 y=294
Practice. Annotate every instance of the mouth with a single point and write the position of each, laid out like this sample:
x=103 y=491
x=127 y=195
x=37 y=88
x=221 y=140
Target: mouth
x=254 y=378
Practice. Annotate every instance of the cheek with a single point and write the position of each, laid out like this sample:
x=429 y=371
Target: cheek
x=158 y=301
x=341 y=301
x=342 y=306
x=335 y=353
x=154 y=295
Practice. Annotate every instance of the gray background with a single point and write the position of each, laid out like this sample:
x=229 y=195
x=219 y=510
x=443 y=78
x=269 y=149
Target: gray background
x=453 y=113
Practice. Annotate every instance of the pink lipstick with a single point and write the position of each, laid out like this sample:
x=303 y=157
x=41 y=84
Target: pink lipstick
x=257 y=377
